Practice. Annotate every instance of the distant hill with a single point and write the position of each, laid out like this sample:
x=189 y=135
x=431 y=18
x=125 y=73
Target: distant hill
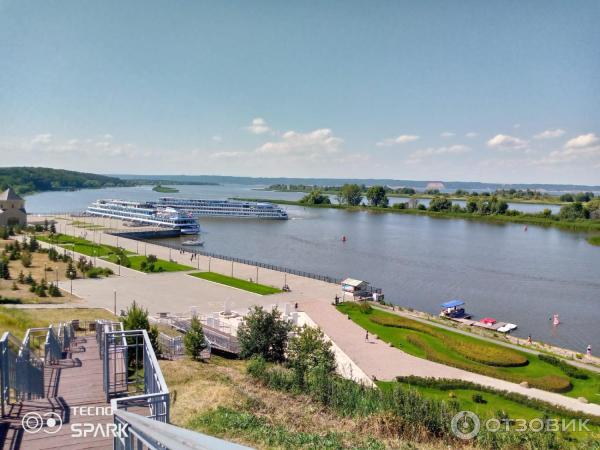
x=27 y=180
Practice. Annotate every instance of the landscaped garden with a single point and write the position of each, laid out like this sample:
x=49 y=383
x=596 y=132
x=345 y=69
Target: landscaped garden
x=238 y=283
x=148 y=264
x=475 y=355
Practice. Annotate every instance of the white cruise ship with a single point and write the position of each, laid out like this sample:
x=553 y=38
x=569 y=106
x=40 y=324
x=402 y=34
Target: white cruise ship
x=224 y=208
x=139 y=213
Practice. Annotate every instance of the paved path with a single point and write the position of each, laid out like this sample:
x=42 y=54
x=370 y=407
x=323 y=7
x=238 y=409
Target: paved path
x=376 y=358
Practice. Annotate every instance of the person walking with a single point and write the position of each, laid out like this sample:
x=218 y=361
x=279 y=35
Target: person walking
x=529 y=339
x=367 y=337
x=589 y=351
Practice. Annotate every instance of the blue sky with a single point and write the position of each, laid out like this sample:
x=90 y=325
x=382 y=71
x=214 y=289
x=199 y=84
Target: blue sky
x=502 y=91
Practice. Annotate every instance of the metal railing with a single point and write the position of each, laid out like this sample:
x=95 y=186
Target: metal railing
x=216 y=338
x=144 y=433
x=21 y=371
x=248 y=262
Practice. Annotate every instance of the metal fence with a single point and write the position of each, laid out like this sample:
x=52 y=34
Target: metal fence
x=216 y=338
x=248 y=262
x=21 y=371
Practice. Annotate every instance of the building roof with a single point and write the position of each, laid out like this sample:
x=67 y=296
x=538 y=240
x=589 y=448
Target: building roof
x=9 y=194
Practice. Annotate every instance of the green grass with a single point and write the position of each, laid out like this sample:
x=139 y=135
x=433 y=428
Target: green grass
x=109 y=253
x=164 y=189
x=494 y=402
x=594 y=240
x=231 y=423
x=166 y=266
x=237 y=283
x=436 y=344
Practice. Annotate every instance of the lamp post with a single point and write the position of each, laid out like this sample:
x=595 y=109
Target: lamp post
x=115 y=301
x=256 y=274
x=45 y=279
x=209 y=258
x=232 y=268
x=56 y=270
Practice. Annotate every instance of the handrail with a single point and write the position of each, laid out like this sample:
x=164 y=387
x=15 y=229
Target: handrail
x=149 y=433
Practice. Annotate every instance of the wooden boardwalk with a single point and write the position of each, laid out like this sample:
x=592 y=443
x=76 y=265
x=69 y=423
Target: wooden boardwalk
x=74 y=383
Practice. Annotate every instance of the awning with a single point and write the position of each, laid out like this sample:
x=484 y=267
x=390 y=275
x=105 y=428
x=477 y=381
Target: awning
x=453 y=304
x=352 y=282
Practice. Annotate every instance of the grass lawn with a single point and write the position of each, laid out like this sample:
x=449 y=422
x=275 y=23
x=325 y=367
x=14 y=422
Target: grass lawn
x=457 y=350
x=494 y=403
x=17 y=321
x=109 y=253
x=237 y=283
x=166 y=266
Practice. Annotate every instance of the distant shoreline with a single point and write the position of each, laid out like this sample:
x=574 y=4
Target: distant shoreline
x=523 y=218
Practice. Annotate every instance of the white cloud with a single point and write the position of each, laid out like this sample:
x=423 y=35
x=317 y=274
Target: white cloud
x=258 y=126
x=402 y=139
x=228 y=155
x=314 y=143
x=447 y=134
x=550 y=134
x=217 y=138
x=505 y=142
x=471 y=134
x=419 y=155
x=42 y=139
x=584 y=140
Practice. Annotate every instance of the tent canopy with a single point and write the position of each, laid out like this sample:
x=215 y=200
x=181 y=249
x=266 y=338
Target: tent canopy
x=453 y=304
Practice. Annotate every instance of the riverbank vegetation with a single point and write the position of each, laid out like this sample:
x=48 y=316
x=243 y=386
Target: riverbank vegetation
x=164 y=189
x=246 y=285
x=572 y=216
x=472 y=354
x=512 y=195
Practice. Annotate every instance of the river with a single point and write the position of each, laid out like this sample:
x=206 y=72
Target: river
x=500 y=270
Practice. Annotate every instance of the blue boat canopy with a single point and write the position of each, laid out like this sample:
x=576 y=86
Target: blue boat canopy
x=453 y=304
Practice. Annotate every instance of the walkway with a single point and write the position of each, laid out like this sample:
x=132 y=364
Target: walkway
x=74 y=383
x=379 y=359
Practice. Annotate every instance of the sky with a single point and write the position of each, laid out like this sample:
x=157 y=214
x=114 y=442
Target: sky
x=496 y=91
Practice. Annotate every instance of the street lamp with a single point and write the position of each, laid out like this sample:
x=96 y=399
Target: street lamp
x=115 y=301
x=209 y=259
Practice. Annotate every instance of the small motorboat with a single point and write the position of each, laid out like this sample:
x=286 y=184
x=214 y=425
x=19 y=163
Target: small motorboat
x=193 y=243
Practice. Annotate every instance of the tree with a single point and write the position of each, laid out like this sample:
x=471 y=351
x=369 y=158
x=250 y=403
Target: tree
x=26 y=259
x=351 y=194
x=471 y=206
x=440 y=203
x=34 y=245
x=4 y=270
x=71 y=273
x=52 y=228
x=263 y=333
x=136 y=318
x=315 y=197
x=376 y=196
x=194 y=340
x=573 y=211
x=309 y=349
x=594 y=208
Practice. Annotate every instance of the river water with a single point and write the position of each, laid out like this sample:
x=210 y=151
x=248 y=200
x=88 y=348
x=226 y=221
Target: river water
x=500 y=270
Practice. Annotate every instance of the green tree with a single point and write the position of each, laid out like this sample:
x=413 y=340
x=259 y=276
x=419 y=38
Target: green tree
x=593 y=207
x=4 y=270
x=194 y=340
x=307 y=350
x=315 y=197
x=263 y=333
x=34 y=245
x=136 y=318
x=471 y=206
x=71 y=273
x=574 y=211
x=440 y=203
x=376 y=196
x=26 y=259
x=351 y=194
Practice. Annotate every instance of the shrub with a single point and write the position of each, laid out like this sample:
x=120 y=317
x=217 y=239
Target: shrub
x=263 y=333
x=478 y=398
x=566 y=368
x=307 y=350
x=194 y=340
